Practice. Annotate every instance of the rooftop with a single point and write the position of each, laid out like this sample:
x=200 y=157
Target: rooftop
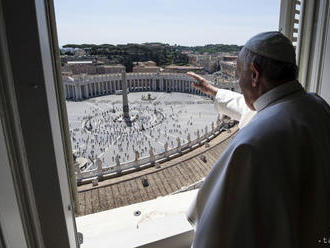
x=81 y=62
x=192 y=67
x=113 y=66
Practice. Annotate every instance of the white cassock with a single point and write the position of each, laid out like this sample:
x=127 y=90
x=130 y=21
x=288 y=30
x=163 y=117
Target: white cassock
x=232 y=104
x=271 y=186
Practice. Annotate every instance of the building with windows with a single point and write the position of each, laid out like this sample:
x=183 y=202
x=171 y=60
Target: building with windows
x=108 y=69
x=91 y=67
x=184 y=69
x=80 y=66
x=146 y=68
x=228 y=69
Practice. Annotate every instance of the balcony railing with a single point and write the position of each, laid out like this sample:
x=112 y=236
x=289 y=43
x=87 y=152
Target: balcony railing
x=118 y=169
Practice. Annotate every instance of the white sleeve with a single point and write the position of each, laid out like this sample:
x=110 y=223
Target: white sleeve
x=233 y=104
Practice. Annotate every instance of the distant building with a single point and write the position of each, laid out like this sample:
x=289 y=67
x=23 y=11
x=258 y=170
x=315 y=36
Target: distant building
x=108 y=69
x=145 y=63
x=230 y=58
x=147 y=66
x=210 y=62
x=79 y=52
x=77 y=67
x=90 y=67
x=200 y=60
x=228 y=67
x=80 y=62
x=184 y=69
x=146 y=69
x=104 y=60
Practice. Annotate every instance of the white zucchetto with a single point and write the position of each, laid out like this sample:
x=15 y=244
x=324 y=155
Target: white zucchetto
x=272 y=45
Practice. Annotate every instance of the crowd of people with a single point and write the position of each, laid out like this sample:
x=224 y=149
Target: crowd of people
x=159 y=124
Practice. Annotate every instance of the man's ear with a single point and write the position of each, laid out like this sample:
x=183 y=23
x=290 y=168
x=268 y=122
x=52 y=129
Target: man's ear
x=255 y=74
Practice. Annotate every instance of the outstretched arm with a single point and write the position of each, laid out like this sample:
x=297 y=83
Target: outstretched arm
x=226 y=102
x=203 y=85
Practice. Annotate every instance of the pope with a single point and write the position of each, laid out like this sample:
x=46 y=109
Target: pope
x=271 y=186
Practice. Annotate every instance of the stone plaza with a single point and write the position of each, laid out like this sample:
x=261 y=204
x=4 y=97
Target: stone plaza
x=162 y=121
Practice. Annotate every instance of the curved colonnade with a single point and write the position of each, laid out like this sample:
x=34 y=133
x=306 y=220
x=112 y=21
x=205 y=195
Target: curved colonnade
x=86 y=86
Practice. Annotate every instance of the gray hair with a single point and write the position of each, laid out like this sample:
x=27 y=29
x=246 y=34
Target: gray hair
x=274 y=71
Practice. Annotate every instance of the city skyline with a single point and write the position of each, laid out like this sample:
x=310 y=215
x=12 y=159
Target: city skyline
x=181 y=22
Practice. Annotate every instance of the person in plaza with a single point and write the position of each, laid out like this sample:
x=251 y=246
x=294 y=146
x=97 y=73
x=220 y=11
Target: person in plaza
x=271 y=186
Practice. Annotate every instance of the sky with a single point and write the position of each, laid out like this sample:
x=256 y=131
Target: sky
x=182 y=22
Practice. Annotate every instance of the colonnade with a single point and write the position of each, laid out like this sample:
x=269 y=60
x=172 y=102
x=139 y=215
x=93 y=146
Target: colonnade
x=86 y=86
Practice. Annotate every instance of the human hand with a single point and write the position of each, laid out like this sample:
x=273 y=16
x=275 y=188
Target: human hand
x=203 y=85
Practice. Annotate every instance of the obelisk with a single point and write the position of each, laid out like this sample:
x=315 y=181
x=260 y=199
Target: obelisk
x=125 y=99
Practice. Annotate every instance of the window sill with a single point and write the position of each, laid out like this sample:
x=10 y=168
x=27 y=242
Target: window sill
x=162 y=223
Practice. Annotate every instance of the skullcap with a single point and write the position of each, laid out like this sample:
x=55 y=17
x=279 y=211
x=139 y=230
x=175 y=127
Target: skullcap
x=272 y=45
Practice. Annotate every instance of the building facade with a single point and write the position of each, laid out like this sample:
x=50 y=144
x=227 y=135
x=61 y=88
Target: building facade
x=184 y=69
x=108 y=69
x=77 y=67
x=146 y=66
x=85 y=86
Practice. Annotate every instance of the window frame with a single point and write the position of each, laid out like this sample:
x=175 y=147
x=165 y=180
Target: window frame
x=33 y=118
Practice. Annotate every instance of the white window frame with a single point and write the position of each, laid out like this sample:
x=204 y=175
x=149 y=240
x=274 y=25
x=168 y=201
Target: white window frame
x=312 y=43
